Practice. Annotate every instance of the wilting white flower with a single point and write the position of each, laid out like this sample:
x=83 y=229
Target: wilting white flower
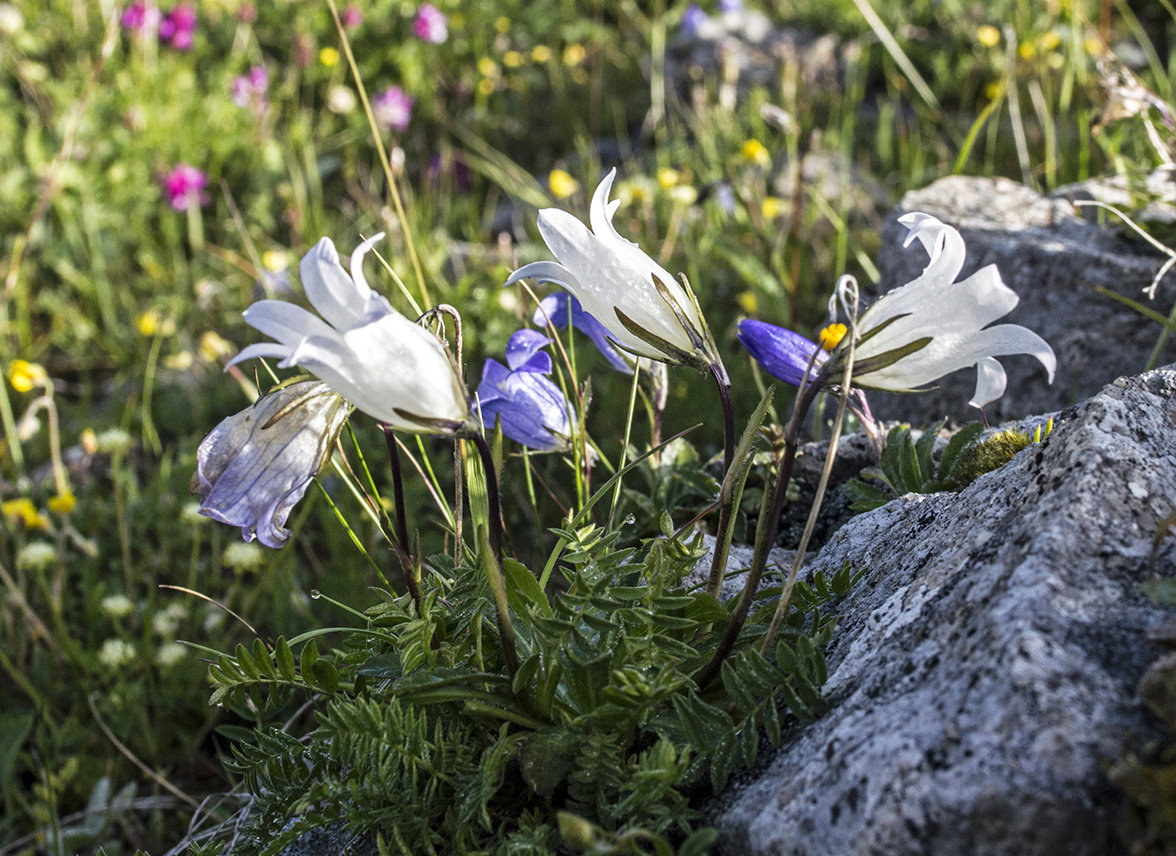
x=362 y=348
x=644 y=308
x=255 y=465
x=934 y=325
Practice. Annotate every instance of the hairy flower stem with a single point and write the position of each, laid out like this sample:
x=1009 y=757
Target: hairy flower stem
x=726 y=495
x=769 y=526
x=495 y=525
x=401 y=539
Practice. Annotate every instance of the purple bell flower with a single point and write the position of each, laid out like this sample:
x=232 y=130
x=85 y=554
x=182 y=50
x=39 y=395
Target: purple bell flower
x=532 y=410
x=562 y=308
x=783 y=354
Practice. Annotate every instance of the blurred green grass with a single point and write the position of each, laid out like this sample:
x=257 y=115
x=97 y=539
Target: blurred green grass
x=93 y=116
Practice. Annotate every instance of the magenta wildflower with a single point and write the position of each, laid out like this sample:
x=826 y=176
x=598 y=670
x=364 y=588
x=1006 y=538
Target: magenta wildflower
x=393 y=109
x=184 y=186
x=431 y=24
x=178 y=27
x=141 y=17
x=352 y=17
x=249 y=89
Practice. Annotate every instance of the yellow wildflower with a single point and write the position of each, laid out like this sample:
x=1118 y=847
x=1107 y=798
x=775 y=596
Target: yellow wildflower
x=487 y=67
x=756 y=152
x=562 y=184
x=502 y=24
x=541 y=53
x=1027 y=51
x=329 y=57
x=89 y=441
x=275 y=260
x=988 y=35
x=574 y=55
x=667 y=178
x=151 y=323
x=63 y=503
x=772 y=207
x=23 y=512
x=1093 y=47
x=485 y=86
x=512 y=59
x=25 y=376
x=832 y=335
x=1049 y=41
x=748 y=302
x=214 y=347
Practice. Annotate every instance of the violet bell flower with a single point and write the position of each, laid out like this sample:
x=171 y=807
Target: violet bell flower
x=645 y=310
x=257 y=464
x=784 y=355
x=933 y=325
x=386 y=365
x=561 y=309
x=531 y=409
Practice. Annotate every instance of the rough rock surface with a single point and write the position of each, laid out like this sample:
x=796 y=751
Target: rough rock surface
x=984 y=671
x=1054 y=259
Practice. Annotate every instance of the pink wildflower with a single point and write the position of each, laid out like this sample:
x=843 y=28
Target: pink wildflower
x=141 y=17
x=178 y=27
x=352 y=17
x=431 y=24
x=249 y=89
x=184 y=186
x=393 y=108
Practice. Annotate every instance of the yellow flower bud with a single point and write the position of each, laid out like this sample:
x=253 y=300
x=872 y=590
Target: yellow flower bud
x=329 y=57
x=756 y=152
x=988 y=35
x=63 y=503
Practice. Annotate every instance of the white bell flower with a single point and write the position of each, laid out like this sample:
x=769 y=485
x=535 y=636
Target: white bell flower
x=934 y=325
x=362 y=348
x=644 y=308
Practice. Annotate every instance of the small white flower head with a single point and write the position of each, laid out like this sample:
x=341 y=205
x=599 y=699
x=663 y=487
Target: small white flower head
x=166 y=622
x=113 y=441
x=36 y=556
x=243 y=557
x=934 y=325
x=255 y=465
x=116 y=653
x=645 y=309
x=192 y=515
x=117 y=606
x=170 y=654
x=362 y=348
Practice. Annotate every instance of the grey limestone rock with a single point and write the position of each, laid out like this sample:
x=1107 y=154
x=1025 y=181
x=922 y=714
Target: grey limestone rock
x=1055 y=260
x=984 y=671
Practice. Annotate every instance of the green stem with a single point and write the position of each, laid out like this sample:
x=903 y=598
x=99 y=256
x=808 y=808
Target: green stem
x=726 y=496
x=765 y=532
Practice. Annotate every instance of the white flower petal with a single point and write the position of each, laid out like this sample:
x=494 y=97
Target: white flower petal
x=545 y=272
x=330 y=290
x=261 y=349
x=287 y=323
x=990 y=382
x=357 y=264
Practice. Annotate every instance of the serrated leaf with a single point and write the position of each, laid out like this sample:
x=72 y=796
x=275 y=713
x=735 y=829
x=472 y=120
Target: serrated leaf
x=522 y=588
